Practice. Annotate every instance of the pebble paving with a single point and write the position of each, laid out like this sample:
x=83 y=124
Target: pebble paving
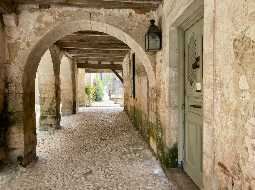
x=97 y=149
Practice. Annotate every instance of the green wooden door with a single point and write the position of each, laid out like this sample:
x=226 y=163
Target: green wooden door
x=194 y=101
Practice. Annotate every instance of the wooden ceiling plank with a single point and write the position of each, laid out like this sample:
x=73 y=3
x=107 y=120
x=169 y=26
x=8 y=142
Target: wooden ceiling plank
x=87 y=45
x=7 y=6
x=99 y=66
x=82 y=54
x=95 y=49
x=100 y=59
x=145 y=5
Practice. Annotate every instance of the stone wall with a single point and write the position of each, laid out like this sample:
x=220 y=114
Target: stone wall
x=234 y=123
x=228 y=130
x=139 y=107
x=228 y=118
x=228 y=115
x=2 y=62
x=2 y=90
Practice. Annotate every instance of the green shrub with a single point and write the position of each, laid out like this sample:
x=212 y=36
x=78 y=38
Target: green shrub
x=91 y=93
x=172 y=157
x=99 y=91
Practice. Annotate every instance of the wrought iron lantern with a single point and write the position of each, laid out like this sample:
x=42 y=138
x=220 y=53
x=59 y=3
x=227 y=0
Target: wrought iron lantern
x=153 y=38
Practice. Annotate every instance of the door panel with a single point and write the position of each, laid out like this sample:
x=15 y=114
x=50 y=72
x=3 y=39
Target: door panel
x=194 y=101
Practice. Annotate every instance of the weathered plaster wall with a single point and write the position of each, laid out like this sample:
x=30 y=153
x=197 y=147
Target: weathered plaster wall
x=234 y=60
x=141 y=109
x=228 y=130
x=141 y=85
x=138 y=106
x=161 y=127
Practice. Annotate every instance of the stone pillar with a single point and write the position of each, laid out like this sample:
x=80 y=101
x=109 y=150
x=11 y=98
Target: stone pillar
x=126 y=81
x=21 y=132
x=81 y=87
x=68 y=72
x=56 y=56
x=49 y=99
x=2 y=61
x=3 y=100
x=75 y=87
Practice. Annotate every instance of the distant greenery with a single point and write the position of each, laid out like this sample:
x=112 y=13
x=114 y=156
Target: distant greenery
x=172 y=157
x=99 y=91
x=96 y=92
x=91 y=93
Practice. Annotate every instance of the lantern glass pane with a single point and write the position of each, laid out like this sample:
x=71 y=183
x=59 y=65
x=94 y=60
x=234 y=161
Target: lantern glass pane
x=154 y=42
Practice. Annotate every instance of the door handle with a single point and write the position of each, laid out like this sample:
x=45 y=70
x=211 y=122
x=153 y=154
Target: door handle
x=196 y=106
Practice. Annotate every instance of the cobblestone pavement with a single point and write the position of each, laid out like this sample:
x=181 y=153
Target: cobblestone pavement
x=96 y=149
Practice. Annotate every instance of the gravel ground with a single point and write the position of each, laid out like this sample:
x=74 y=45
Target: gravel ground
x=97 y=149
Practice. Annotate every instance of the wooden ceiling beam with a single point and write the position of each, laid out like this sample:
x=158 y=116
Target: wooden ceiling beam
x=118 y=75
x=88 y=43
x=89 y=38
x=110 y=59
x=99 y=58
x=7 y=6
x=145 y=5
x=97 y=54
x=92 y=45
x=98 y=71
x=99 y=66
x=95 y=49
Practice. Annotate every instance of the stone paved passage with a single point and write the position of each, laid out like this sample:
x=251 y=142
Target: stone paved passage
x=96 y=149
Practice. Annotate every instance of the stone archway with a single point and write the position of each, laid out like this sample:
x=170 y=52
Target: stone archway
x=63 y=29
x=32 y=59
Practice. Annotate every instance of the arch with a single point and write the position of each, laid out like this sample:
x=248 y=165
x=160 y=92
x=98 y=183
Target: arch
x=33 y=58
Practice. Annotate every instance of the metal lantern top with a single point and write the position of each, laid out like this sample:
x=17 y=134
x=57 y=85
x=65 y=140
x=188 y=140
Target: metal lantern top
x=153 y=29
x=153 y=38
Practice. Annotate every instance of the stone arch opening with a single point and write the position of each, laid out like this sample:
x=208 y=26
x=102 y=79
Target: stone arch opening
x=32 y=60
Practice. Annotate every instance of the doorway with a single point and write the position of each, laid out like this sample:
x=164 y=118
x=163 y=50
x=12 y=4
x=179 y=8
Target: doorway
x=193 y=101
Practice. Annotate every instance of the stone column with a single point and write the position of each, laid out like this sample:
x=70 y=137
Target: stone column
x=56 y=56
x=81 y=87
x=126 y=81
x=68 y=72
x=75 y=87
x=2 y=91
x=21 y=131
x=49 y=100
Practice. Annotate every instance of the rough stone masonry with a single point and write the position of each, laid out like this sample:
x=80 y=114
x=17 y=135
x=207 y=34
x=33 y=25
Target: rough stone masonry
x=29 y=29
